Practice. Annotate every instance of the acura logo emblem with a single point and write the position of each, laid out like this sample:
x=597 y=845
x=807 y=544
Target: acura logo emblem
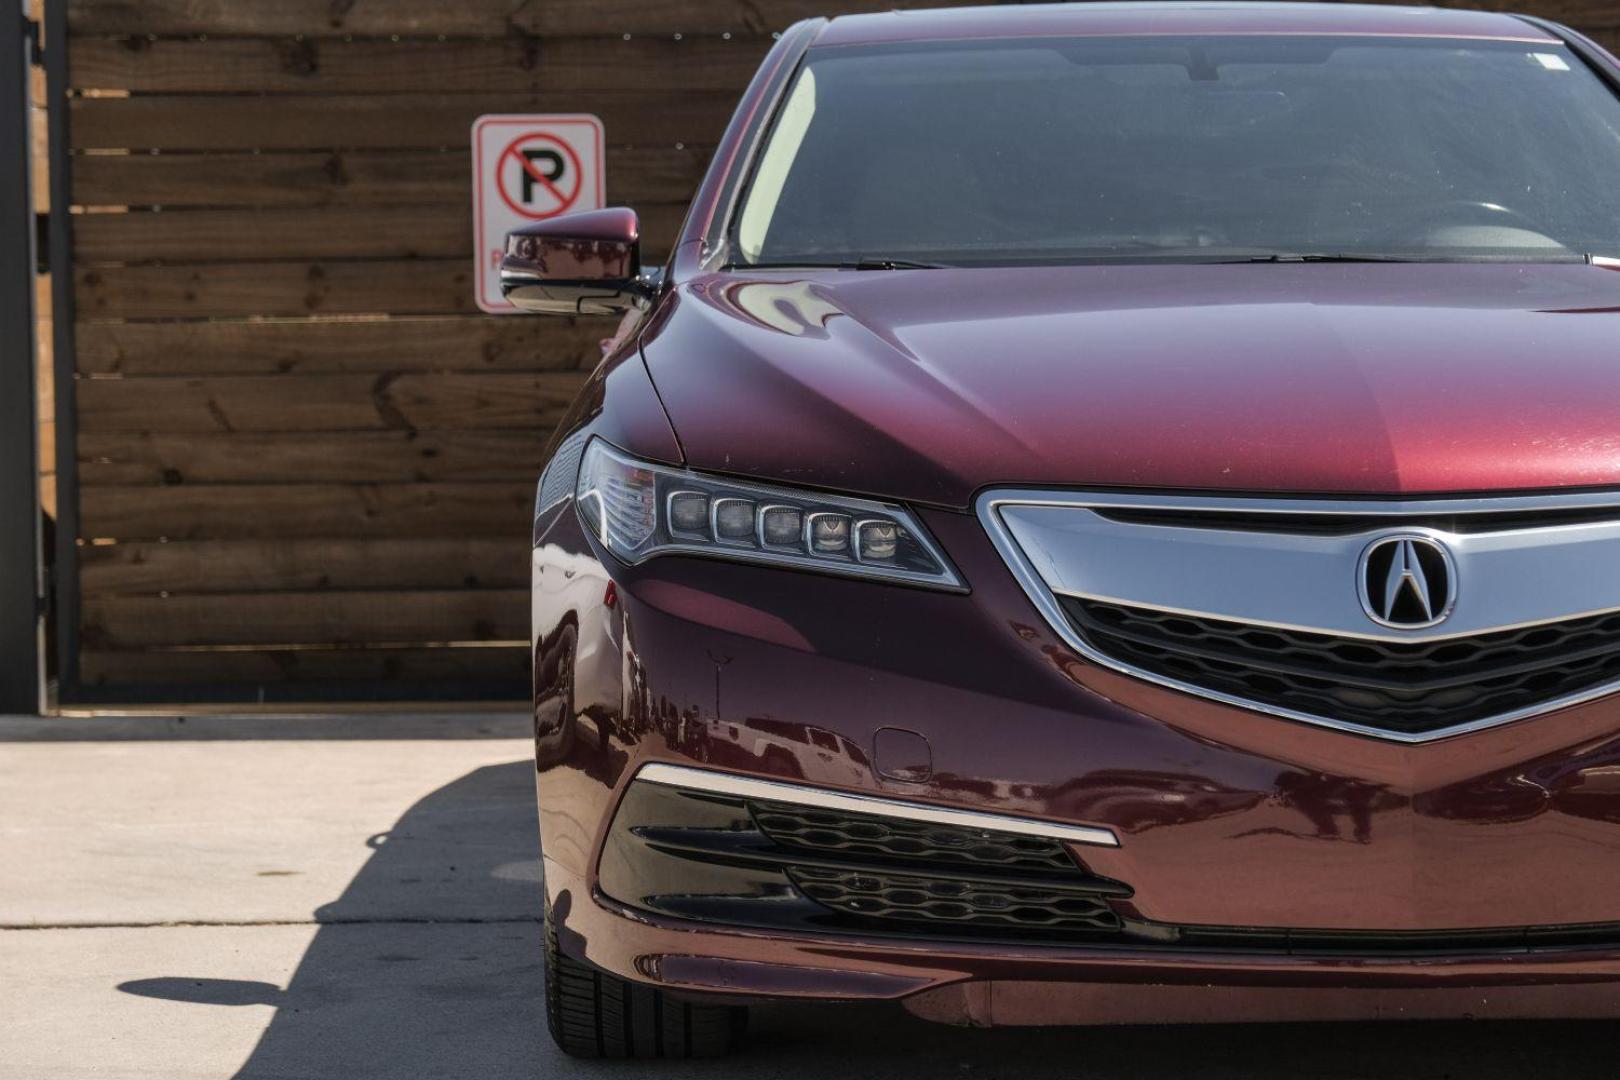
x=1407 y=581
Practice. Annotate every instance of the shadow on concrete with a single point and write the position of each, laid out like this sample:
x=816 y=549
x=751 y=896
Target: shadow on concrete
x=428 y=966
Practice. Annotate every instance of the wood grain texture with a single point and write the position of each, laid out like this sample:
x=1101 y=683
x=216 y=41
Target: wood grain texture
x=276 y=666
x=310 y=346
x=462 y=17
x=165 y=458
x=312 y=618
x=1577 y=13
x=269 y=289
x=308 y=511
x=515 y=63
x=240 y=566
x=403 y=121
x=236 y=290
x=241 y=235
x=284 y=404
x=636 y=176
x=443 y=231
x=499 y=17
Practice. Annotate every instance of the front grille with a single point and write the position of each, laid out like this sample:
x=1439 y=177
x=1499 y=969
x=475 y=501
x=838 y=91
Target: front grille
x=1404 y=687
x=901 y=839
x=881 y=894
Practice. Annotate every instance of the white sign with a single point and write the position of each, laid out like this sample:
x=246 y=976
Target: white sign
x=527 y=169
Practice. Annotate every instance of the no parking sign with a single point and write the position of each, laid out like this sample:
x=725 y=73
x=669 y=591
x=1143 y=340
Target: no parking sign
x=527 y=169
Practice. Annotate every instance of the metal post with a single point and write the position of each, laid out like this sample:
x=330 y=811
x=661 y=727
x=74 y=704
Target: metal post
x=20 y=591
x=64 y=591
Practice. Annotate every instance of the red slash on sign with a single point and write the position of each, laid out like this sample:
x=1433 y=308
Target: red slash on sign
x=548 y=180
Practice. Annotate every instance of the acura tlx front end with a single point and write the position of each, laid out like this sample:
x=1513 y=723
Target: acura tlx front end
x=993 y=572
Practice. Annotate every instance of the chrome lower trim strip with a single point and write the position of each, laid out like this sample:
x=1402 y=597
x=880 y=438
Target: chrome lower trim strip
x=747 y=787
x=990 y=504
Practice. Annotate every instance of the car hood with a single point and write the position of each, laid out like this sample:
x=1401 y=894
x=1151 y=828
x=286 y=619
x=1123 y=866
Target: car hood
x=929 y=385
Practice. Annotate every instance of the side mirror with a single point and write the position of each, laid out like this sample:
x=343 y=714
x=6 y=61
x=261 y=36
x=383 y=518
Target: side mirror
x=587 y=263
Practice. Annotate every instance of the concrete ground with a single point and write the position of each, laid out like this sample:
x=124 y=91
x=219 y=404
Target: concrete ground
x=306 y=898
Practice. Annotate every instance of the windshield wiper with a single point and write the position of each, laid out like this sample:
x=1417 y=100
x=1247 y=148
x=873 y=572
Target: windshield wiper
x=1325 y=257
x=1538 y=257
x=857 y=264
x=897 y=264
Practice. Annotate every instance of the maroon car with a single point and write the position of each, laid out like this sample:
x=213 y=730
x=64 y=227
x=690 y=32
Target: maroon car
x=1109 y=513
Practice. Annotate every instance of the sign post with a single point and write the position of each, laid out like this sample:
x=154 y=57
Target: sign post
x=19 y=478
x=527 y=169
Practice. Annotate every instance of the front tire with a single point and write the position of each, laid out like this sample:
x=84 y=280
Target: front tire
x=592 y=1014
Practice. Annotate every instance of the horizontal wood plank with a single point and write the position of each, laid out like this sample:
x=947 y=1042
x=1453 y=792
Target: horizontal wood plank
x=311 y=618
x=405 y=287
x=490 y=664
x=1578 y=13
x=443 y=231
x=277 y=290
x=480 y=401
x=463 y=17
x=241 y=566
x=636 y=176
x=352 y=457
x=404 y=121
x=307 y=511
x=241 y=235
x=495 y=17
x=312 y=346
x=372 y=66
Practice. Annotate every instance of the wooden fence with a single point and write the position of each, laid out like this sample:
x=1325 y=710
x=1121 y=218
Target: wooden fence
x=303 y=458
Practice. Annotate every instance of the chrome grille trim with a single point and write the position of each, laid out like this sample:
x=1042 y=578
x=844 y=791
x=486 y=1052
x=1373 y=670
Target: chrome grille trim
x=1600 y=591
x=747 y=787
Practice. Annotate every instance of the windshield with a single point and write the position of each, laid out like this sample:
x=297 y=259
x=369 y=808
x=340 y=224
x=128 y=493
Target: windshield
x=1078 y=149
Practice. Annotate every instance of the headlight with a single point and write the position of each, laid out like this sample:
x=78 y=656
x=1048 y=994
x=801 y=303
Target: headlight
x=638 y=510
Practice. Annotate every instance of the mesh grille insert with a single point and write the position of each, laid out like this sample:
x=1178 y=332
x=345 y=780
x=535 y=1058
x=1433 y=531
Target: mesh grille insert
x=883 y=894
x=1405 y=687
x=833 y=832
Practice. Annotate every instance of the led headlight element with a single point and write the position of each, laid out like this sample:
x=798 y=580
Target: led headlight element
x=688 y=512
x=734 y=520
x=781 y=526
x=876 y=541
x=638 y=510
x=829 y=533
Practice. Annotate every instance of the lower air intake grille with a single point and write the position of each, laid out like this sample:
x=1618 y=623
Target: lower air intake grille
x=869 y=835
x=881 y=894
x=700 y=855
x=719 y=856
x=1405 y=687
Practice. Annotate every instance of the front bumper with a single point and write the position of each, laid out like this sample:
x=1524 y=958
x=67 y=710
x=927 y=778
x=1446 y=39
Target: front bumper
x=1002 y=984
x=1225 y=818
